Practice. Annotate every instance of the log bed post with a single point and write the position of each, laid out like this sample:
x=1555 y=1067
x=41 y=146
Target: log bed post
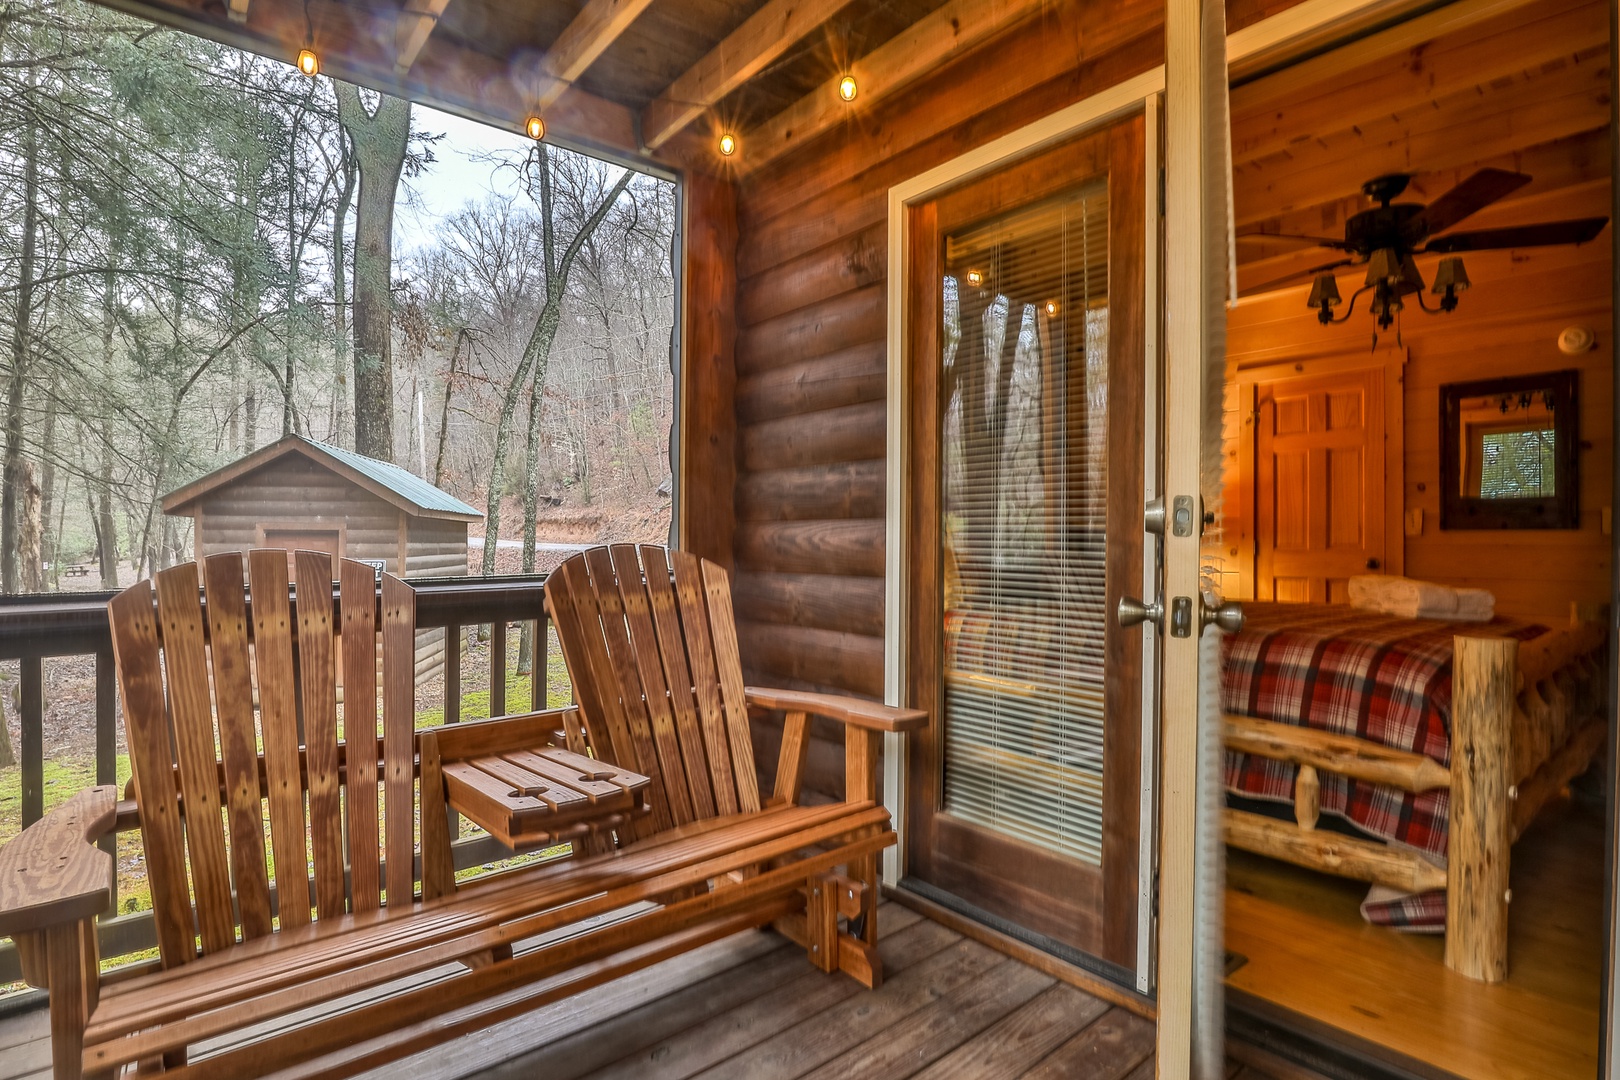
x=1484 y=681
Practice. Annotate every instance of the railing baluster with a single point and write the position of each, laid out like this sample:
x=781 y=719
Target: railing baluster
x=537 y=669
x=454 y=637
x=33 y=740
x=497 y=668
x=107 y=742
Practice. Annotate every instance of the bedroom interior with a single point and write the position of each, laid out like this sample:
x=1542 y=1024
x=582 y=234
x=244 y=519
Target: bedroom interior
x=1466 y=445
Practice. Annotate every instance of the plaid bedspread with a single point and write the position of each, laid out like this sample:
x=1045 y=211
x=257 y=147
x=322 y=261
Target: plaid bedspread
x=1352 y=672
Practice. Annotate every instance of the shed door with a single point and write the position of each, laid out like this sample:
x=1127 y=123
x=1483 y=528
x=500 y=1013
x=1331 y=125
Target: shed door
x=1027 y=499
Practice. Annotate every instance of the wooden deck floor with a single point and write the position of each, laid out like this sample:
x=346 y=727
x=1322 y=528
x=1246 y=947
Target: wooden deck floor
x=752 y=1008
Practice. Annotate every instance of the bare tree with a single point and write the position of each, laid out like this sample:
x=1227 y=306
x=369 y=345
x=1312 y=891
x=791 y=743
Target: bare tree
x=379 y=140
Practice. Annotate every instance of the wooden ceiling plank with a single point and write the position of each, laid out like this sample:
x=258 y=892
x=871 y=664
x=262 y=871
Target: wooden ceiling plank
x=238 y=11
x=598 y=24
x=415 y=23
x=1266 y=124
x=1492 y=121
x=763 y=36
x=919 y=49
x=1331 y=67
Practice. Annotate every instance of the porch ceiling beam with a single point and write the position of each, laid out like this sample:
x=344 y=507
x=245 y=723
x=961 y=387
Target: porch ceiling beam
x=598 y=24
x=916 y=51
x=763 y=36
x=411 y=30
x=238 y=11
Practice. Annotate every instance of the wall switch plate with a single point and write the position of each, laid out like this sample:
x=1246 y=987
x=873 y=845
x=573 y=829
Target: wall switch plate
x=1414 y=521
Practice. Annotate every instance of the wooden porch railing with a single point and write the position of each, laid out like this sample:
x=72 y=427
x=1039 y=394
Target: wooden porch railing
x=36 y=628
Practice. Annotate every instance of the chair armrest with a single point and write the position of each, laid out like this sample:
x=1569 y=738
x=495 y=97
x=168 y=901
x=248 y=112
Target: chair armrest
x=52 y=874
x=846 y=710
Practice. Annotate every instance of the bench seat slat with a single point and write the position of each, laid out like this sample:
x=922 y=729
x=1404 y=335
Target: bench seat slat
x=326 y=948
x=331 y=1033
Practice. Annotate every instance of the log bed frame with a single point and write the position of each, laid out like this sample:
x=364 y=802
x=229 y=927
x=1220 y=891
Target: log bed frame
x=1526 y=719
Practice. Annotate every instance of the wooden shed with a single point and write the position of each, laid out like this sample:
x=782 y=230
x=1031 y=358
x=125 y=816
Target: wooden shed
x=300 y=494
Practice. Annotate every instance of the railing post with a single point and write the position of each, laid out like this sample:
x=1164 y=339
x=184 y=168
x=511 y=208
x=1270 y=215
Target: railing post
x=33 y=740
x=107 y=743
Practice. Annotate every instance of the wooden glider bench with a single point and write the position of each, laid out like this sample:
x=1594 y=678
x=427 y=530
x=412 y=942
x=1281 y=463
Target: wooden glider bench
x=366 y=971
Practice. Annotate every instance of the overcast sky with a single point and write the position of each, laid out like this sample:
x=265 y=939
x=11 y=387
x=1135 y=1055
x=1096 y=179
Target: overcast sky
x=455 y=177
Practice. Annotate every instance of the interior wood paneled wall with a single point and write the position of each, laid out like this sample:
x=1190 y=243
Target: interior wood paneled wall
x=1525 y=91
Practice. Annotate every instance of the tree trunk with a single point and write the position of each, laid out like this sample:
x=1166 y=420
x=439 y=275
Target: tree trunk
x=340 y=301
x=379 y=141
x=30 y=530
x=538 y=349
x=531 y=499
x=22 y=321
x=106 y=527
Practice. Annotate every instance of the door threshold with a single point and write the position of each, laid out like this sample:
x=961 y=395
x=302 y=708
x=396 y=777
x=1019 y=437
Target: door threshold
x=1100 y=978
x=1330 y=1051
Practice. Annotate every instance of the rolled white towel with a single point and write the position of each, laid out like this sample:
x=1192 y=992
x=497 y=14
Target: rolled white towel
x=1409 y=598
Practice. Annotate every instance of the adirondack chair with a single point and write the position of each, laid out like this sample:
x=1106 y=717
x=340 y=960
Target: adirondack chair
x=247 y=955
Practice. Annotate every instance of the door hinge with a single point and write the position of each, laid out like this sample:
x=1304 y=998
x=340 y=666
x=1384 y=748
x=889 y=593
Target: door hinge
x=1161 y=191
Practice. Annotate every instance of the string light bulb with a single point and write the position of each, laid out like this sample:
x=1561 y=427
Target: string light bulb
x=728 y=144
x=847 y=88
x=309 y=63
x=975 y=278
x=1051 y=308
x=535 y=128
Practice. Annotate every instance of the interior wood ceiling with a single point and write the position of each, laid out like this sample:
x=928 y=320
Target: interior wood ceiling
x=1515 y=84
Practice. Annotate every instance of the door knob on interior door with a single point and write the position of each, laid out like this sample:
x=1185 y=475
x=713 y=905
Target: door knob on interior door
x=1226 y=614
x=1132 y=612
x=1373 y=564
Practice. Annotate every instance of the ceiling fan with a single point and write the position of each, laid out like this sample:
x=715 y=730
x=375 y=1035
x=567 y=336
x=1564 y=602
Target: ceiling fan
x=1386 y=237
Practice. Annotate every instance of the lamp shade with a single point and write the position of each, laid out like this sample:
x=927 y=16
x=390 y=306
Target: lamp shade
x=1450 y=276
x=1384 y=266
x=1324 y=292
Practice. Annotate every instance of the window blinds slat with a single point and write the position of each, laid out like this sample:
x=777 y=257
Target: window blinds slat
x=1025 y=495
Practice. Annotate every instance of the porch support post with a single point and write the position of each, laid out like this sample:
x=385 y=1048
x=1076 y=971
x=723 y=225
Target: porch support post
x=1185 y=270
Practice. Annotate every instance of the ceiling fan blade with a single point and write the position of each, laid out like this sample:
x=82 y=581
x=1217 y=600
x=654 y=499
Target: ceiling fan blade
x=1297 y=275
x=1547 y=233
x=1320 y=241
x=1473 y=194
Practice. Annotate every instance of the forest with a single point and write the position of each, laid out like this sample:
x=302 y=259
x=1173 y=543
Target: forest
x=199 y=254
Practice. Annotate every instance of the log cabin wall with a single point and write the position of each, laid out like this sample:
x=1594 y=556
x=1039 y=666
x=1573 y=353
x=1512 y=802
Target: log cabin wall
x=811 y=261
x=1529 y=91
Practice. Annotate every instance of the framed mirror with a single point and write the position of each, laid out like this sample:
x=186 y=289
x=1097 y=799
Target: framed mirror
x=1508 y=453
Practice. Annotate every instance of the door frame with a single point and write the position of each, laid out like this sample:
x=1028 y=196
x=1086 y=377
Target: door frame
x=1091 y=114
x=1306 y=29
x=1240 y=496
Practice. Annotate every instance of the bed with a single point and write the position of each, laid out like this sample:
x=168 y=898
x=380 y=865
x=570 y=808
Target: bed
x=1437 y=742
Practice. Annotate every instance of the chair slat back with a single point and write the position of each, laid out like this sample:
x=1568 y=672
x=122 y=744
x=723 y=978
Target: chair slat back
x=195 y=656
x=649 y=641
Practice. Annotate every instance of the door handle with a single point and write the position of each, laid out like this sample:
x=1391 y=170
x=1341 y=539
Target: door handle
x=1373 y=564
x=1227 y=615
x=1132 y=612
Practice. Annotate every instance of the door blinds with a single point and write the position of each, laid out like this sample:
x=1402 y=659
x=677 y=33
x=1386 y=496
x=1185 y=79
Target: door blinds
x=1024 y=460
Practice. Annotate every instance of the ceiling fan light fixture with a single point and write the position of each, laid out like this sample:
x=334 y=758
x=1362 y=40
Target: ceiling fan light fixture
x=1324 y=296
x=1451 y=276
x=1384 y=267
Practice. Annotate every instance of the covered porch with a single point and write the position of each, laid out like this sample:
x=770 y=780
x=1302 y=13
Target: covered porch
x=847 y=170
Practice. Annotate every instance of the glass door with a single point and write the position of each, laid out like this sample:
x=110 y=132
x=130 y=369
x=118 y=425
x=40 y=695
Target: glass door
x=1026 y=509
